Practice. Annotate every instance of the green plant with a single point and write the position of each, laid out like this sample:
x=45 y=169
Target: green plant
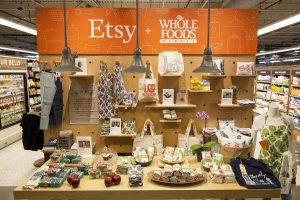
x=197 y=147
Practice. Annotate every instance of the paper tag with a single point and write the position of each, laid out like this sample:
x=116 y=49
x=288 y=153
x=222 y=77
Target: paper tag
x=243 y=169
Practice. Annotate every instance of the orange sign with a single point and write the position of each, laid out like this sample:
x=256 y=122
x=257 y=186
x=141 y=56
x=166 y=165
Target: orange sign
x=113 y=31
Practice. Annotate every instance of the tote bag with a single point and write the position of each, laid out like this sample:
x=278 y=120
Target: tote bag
x=151 y=140
x=186 y=140
x=170 y=63
x=148 y=91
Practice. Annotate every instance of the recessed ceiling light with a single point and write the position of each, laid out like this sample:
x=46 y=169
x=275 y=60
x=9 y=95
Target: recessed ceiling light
x=278 y=51
x=17 y=26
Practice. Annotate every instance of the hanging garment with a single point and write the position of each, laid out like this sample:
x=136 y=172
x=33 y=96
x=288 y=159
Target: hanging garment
x=32 y=137
x=48 y=90
x=105 y=94
x=119 y=87
x=277 y=138
x=56 y=113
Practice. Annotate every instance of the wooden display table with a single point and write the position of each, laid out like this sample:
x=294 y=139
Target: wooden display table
x=95 y=189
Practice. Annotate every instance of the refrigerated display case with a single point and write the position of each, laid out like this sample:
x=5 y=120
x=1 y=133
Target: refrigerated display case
x=13 y=98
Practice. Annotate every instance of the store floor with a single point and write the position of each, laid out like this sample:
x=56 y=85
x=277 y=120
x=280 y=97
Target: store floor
x=16 y=166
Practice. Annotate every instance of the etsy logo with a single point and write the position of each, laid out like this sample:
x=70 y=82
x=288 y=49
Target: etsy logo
x=178 y=30
x=102 y=29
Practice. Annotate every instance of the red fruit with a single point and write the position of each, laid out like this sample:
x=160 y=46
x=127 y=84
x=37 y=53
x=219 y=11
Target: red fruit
x=108 y=181
x=111 y=174
x=116 y=179
x=70 y=178
x=75 y=182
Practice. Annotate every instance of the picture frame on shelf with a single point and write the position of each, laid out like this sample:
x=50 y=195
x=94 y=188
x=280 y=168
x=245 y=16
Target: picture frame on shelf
x=168 y=97
x=227 y=96
x=115 y=125
x=85 y=145
x=182 y=96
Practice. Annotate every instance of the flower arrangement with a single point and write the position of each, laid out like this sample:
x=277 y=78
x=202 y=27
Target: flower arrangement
x=204 y=116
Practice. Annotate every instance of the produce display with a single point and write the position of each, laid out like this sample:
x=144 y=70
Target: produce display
x=112 y=179
x=196 y=84
x=177 y=174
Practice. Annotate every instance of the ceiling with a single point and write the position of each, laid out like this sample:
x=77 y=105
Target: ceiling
x=23 y=11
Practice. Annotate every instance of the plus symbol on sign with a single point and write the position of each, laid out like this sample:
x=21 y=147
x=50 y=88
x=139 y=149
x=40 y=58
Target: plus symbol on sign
x=148 y=31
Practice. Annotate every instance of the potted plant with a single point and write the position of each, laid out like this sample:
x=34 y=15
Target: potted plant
x=204 y=116
x=198 y=148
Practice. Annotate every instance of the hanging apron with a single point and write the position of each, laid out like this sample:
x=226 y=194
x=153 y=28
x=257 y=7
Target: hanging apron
x=105 y=97
x=278 y=142
x=119 y=88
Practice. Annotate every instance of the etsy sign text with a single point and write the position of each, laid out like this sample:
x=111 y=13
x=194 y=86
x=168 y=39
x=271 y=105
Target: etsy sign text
x=96 y=31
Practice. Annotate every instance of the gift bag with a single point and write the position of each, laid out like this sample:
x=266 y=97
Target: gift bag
x=230 y=153
x=152 y=139
x=148 y=91
x=186 y=140
x=170 y=63
x=245 y=68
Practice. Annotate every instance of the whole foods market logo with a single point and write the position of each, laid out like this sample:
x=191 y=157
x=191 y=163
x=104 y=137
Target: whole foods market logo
x=178 y=30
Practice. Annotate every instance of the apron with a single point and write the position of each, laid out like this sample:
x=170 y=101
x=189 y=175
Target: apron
x=278 y=140
x=105 y=98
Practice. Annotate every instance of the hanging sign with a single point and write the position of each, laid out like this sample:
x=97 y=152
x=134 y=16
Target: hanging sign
x=11 y=63
x=281 y=72
x=113 y=31
x=263 y=72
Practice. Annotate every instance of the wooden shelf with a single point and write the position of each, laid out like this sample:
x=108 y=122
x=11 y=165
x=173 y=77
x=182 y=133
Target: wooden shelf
x=167 y=75
x=243 y=76
x=118 y=136
x=200 y=91
x=277 y=100
x=171 y=106
x=214 y=76
x=269 y=82
x=282 y=93
x=125 y=107
x=230 y=105
x=262 y=98
x=81 y=76
x=170 y=120
x=298 y=86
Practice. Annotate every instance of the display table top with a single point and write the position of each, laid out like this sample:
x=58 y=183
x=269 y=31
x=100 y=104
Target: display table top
x=95 y=189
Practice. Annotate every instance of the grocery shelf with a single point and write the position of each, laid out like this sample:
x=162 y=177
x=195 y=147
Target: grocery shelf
x=35 y=106
x=243 y=76
x=294 y=115
x=200 y=91
x=10 y=112
x=171 y=106
x=262 y=98
x=277 y=100
x=230 y=105
x=297 y=96
x=281 y=84
x=269 y=82
x=124 y=106
x=170 y=120
x=119 y=135
x=262 y=90
x=296 y=86
x=281 y=93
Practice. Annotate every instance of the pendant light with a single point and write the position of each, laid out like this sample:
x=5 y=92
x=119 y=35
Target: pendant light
x=207 y=63
x=67 y=63
x=137 y=65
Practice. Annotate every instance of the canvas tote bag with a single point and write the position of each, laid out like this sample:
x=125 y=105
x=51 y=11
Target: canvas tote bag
x=186 y=140
x=148 y=91
x=170 y=63
x=151 y=140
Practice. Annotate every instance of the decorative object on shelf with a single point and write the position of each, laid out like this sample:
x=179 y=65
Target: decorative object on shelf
x=81 y=63
x=207 y=65
x=219 y=64
x=200 y=86
x=227 y=96
x=152 y=140
x=137 y=65
x=170 y=63
x=204 y=116
x=67 y=63
x=198 y=148
x=143 y=155
x=170 y=114
x=235 y=91
x=168 y=96
x=187 y=140
x=182 y=96
x=245 y=68
x=148 y=90
x=115 y=126
x=129 y=127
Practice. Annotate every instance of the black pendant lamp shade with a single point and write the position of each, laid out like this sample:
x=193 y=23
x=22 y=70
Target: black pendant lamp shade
x=137 y=65
x=207 y=63
x=67 y=63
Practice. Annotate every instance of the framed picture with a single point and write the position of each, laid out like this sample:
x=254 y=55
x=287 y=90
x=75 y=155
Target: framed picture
x=82 y=64
x=85 y=145
x=227 y=96
x=182 y=96
x=168 y=96
x=115 y=126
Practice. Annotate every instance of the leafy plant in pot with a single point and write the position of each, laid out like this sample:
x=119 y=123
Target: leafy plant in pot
x=198 y=148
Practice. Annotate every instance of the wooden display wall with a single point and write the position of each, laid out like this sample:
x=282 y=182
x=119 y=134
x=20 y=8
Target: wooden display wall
x=203 y=101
